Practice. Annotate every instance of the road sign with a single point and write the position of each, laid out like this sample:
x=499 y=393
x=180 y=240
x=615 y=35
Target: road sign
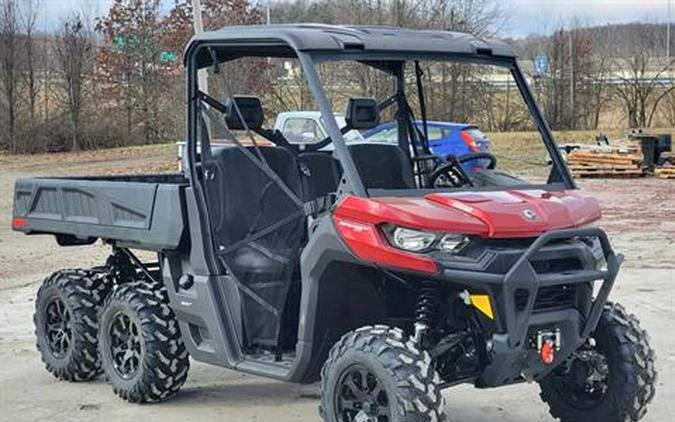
x=167 y=56
x=122 y=42
x=541 y=63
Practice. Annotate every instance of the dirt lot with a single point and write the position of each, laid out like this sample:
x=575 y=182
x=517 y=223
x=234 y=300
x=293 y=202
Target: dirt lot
x=639 y=215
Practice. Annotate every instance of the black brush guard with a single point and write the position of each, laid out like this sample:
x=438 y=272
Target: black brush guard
x=523 y=276
x=511 y=358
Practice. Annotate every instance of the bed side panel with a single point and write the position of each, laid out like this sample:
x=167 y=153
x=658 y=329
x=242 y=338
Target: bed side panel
x=145 y=215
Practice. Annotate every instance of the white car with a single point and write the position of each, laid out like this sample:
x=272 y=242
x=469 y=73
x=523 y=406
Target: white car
x=307 y=127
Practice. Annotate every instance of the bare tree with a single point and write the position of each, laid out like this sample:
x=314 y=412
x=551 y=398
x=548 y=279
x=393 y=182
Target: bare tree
x=599 y=91
x=9 y=68
x=668 y=108
x=29 y=17
x=572 y=91
x=639 y=71
x=447 y=97
x=72 y=51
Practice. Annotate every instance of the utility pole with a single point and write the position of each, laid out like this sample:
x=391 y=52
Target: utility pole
x=668 y=29
x=268 y=13
x=202 y=76
x=572 y=76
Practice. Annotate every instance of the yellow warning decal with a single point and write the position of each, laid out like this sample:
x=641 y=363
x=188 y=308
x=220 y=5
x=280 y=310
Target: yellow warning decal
x=482 y=302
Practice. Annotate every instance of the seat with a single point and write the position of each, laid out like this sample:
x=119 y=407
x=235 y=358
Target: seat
x=382 y=166
x=319 y=174
x=259 y=231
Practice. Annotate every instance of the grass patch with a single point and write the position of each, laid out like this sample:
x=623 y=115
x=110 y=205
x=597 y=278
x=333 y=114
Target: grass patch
x=523 y=153
x=163 y=153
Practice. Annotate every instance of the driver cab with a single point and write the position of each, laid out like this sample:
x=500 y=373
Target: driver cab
x=267 y=188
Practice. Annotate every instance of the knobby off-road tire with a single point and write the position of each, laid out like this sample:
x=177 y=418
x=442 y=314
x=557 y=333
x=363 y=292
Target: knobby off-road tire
x=140 y=344
x=631 y=376
x=66 y=322
x=383 y=363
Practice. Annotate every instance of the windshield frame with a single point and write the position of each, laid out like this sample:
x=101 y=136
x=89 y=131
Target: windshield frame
x=352 y=182
x=511 y=64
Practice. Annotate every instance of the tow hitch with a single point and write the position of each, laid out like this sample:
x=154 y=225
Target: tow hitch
x=548 y=343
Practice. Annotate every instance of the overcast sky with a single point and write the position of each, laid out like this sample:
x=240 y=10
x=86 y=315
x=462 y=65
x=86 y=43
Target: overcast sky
x=541 y=16
x=525 y=16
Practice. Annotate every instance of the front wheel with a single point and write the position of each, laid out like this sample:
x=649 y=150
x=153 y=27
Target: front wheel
x=377 y=374
x=611 y=379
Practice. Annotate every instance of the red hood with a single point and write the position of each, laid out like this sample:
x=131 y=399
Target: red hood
x=505 y=214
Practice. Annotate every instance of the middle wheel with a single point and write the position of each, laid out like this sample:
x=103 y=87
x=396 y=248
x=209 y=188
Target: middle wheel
x=377 y=374
x=140 y=345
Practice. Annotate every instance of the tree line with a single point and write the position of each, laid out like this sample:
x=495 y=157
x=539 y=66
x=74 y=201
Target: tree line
x=117 y=79
x=99 y=82
x=613 y=75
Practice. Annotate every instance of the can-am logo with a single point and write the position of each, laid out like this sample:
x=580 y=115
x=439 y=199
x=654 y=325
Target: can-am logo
x=529 y=214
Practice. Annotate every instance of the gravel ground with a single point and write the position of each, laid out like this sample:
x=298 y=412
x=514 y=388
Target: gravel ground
x=639 y=215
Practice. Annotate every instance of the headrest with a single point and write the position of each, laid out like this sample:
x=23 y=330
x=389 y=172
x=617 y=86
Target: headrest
x=251 y=110
x=362 y=113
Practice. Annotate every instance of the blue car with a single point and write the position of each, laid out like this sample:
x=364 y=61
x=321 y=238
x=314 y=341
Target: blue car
x=444 y=139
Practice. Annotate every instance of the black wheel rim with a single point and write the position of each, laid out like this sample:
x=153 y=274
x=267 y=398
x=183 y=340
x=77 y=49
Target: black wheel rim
x=58 y=328
x=584 y=379
x=360 y=396
x=125 y=345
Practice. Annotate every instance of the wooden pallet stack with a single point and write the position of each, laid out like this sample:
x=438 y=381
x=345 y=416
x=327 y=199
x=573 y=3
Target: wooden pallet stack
x=606 y=162
x=667 y=170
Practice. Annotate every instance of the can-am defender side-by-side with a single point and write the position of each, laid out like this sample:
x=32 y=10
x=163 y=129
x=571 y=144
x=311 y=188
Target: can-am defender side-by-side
x=385 y=271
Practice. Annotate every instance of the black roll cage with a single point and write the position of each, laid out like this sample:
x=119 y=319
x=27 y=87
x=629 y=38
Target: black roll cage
x=385 y=61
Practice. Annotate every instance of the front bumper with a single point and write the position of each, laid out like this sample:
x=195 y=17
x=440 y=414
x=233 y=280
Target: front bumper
x=511 y=356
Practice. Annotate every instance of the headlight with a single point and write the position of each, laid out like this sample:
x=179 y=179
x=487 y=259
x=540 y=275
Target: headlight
x=452 y=243
x=412 y=240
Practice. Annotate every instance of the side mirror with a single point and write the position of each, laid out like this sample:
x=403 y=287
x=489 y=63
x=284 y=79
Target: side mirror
x=362 y=113
x=251 y=110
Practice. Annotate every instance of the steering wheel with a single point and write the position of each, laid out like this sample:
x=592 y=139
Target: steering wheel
x=449 y=174
x=452 y=173
x=480 y=155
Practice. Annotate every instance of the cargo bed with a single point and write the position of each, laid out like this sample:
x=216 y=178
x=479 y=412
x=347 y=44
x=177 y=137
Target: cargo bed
x=145 y=212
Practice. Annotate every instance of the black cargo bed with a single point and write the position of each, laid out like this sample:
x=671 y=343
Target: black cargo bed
x=142 y=211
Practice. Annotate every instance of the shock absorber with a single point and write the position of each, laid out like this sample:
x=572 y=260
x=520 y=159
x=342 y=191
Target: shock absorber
x=425 y=312
x=120 y=267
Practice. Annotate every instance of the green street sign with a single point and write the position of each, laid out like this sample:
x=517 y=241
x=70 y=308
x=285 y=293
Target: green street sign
x=122 y=42
x=167 y=56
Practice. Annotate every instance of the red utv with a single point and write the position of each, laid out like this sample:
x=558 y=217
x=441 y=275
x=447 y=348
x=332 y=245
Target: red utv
x=388 y=272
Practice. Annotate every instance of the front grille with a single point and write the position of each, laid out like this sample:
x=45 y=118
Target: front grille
x=550 y=297
x=557 y=265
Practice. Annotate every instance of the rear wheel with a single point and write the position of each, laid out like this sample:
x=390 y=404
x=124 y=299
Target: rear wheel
x=611 y=379
x=66 y=322
x=140 y=344
x=377 y=374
